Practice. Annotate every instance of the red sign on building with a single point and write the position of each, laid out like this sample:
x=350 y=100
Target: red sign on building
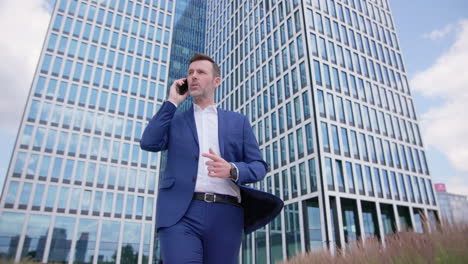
x=440 y=187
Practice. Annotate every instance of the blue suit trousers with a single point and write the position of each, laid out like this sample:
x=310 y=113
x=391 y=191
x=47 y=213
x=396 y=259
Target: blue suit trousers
x=208 y=233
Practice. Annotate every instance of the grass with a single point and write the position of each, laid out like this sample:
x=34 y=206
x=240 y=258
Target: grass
x=447 y=244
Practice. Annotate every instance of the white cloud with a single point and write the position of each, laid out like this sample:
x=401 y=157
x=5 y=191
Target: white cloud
x=445 y=126
x=457 y=184
x=23 y=25
x=440 y=33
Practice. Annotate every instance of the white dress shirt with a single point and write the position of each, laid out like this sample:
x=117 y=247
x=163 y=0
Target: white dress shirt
x=206 y=122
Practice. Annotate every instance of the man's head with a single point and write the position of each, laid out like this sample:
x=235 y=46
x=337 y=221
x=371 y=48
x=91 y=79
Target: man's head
x=203 y=78
x=202 y=57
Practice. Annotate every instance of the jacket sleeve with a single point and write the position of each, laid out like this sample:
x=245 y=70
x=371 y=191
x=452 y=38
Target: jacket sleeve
x=155 y=136
x=252 y=168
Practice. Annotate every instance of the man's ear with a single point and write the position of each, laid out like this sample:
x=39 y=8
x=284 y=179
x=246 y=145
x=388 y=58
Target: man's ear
x=217 y=81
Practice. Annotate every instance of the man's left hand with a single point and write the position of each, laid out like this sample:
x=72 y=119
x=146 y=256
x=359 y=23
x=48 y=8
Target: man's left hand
x=217 y=166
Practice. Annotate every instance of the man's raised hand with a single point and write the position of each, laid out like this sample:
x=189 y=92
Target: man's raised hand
x=217 y=166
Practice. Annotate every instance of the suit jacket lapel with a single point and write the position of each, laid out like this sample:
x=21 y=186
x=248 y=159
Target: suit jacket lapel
x=190 y=118
x=221 y=129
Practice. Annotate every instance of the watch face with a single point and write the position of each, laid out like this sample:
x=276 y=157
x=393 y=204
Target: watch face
x=233 y=172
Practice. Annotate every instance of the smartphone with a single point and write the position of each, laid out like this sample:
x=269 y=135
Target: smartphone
x=183 y=88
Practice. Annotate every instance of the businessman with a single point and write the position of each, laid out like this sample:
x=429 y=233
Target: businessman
x=203 y=206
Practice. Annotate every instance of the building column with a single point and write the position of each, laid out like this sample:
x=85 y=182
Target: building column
x=397 y=217
x=329 y=237
x=361 y=222
x=379 y=221
x=340 y=221
x=49 y=240
x=324 y=209
x=267 y=242
x=153 y=240
x=410 y=208
x=427 y=221
x=19 y=249
x=301 y=226
x=98 y=242
x=283 y=235
x=142 y=241
x=253 y=247
x=119 y=247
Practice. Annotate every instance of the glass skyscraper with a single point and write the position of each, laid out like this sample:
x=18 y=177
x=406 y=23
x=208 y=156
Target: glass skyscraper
x=79 y=189
x=322 y=81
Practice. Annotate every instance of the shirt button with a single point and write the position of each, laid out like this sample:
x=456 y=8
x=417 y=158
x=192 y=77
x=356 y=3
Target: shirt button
x=196 y=157
x=194 y=179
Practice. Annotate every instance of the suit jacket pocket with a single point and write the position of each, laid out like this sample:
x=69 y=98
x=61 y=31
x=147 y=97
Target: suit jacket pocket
x=166 y=183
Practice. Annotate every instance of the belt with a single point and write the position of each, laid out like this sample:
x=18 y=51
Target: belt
x=216 y=198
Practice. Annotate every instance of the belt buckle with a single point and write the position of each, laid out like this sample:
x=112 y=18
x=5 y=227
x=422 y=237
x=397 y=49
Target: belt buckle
x=207 y=196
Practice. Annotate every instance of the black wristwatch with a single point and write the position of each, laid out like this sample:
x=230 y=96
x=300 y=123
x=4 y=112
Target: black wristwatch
x=233 y=172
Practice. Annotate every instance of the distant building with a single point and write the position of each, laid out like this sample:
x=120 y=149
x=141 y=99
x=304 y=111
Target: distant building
x=453 y=207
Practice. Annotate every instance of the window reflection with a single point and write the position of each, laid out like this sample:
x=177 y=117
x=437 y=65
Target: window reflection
x=329 y=174
x=108 y=204
x=369 y=219
x=19 y=164
x=109 y=242
x=11 y=196
x=33 y=111
x=85 y=241
x=147 y=242
x=25 y=194
x=63 y=198
x=39 y=138
x=388 y=219
x=325 y=140
x=313 y=224
x=130 y=243
x=293 y=238
x=11 y=225
x=61 y=239
x=35 y=238
x=350 y=220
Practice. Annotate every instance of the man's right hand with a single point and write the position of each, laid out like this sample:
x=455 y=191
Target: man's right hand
x=174 y=95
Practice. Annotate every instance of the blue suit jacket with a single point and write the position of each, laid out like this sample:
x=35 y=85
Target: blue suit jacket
x=177 y=133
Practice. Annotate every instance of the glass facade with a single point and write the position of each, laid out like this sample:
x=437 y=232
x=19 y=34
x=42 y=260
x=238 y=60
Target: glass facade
x=322 y=82
x=79 y=189
x=324 y=85
x=453 y=207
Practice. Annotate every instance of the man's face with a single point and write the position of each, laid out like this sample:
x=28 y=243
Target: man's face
x=201 y=81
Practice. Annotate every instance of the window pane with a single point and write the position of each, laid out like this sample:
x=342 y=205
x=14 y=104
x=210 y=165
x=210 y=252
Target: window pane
x=11 y=225
x=61 y=239
x=109 y=241
x=86 y=240
x=131 y=241
x=37 y=231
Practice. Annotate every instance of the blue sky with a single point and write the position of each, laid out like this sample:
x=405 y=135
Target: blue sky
x=434 y=38
x=433 y=35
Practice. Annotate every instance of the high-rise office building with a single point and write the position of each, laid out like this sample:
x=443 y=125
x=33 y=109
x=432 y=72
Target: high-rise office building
x=322 y=82
x=324 y=85
x=78 y=187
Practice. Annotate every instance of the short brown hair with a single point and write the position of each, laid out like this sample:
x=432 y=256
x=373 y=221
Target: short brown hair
x=201 y=56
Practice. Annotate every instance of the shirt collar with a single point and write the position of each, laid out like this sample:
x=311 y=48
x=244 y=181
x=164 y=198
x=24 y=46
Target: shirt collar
x=208 y=109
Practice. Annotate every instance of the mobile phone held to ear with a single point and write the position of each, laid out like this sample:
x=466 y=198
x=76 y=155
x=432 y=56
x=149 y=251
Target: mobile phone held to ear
x=183 y=88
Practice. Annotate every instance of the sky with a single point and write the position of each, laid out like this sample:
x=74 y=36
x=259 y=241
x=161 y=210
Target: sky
x=433 y=36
